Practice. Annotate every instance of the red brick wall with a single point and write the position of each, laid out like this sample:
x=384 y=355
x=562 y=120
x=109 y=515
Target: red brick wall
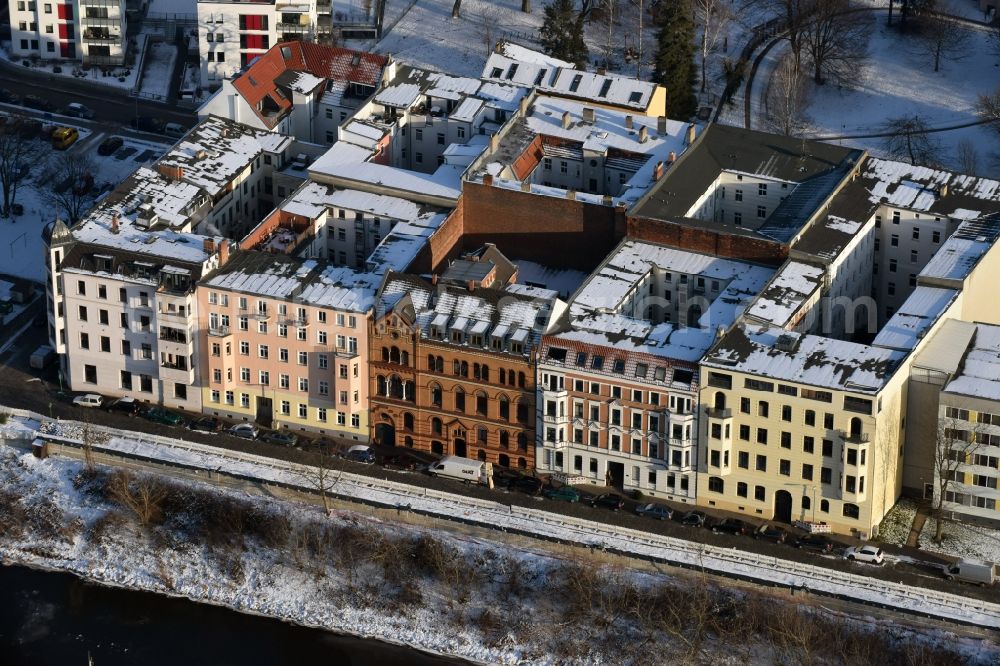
x=557 y=232
x=444 y=244
x=709 y=242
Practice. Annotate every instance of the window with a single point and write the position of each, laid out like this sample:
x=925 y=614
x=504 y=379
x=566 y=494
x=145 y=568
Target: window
x=759 y=493
x=785 y=467
x=761 y=211
x=303 y=384
x=303 y=358
x=84 y=341
x=786 y=413
x=851 y=511
x=810 y=417
x=807 y=472
x=894 y=240
x=825 y=475
x=935 y=236
x=741 y=489
x=715 y=484
x=739 y=194
x=762 y=190
x=808 y=444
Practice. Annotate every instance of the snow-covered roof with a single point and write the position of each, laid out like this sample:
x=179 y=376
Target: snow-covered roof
x=217 y=150
x=563 y=281
x=772 y=353
x=920 y=311
x=958 y=255
x=979 y=375
x=791 y=288
x=310 y=281
x=609 y=308
x=933 y=190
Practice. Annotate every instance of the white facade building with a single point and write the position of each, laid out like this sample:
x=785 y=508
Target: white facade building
x=92 y=31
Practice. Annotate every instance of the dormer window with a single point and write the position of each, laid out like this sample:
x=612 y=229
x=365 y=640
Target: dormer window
x=496 y=343
x=456 y=336
x=575 y=83
x=516 y=348
x=605 y=87
x=496 y=73
x=619 y=366
x=597 y=363
x=635 y=97
x=477 y=340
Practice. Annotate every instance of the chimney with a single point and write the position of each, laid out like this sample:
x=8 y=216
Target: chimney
x=672 y=157
x=571 y=195
x=523 y=106
x=565 y=120
x=661 y=125
x=494 y=143
x=690 y=134
x=643 y=134
x=471 y=284
x=602 y=71
x=943 y=190
x=525 y=185
x=607 y=200
x=588 y=114
x=658 y=171
x=223 y=251
x=488 y=180
x=628 y=122
x=114 y=223
x=209 y=245
x=434 y=278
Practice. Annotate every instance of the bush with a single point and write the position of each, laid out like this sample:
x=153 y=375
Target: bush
x=3 y=418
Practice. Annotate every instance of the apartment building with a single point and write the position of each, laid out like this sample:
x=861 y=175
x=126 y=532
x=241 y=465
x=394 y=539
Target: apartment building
x=452 y=369
x=618 y=380
x=91 y=31
x=301 y=89
x=285 y=344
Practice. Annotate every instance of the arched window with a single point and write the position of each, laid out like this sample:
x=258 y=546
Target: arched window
x=437 y=448
x=522 y=441
x=457 y=365
x=436 y=428
x=410 y=391
x=431 y=364
x=511 y=377
x=440 y=364
x=395 y=387
x=381 y=388
x=481 y=402
x=486 y=373
x=408 y=442
x=856 y=427
x=720 y=400
x=481 y=455
x=522 y=463
x=503 y=460
x=503 y=376
x=824 y=506
x=404 y=357
x=407 y=421
x=504 y=407
x=482 y=435
x=465 y=369
x=851 y=511
x=394 y=355
x=806 y=503
x=459 y=400
x=520 y=379
x=475 y=371
x=504 y=439
x=435 y=395
x=715 y=484
x=385 y=353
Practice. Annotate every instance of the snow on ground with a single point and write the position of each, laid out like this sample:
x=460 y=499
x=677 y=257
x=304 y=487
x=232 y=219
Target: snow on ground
x=896 y=525
x=899 y=81
x=119 y=77
x=963 y=540
x=22 y=249
x=158 y=70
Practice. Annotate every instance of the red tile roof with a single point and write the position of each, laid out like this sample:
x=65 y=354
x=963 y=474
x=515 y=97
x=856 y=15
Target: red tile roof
x=257 y=82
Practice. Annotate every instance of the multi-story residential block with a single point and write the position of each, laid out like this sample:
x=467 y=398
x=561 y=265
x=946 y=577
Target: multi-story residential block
x=300 y=89
x=452 y=368
x=92 y=31
x=517 y=65
x=618 y=387
x=285 y=343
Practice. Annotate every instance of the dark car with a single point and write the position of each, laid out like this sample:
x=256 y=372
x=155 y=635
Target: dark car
x=732 y=526
x=147 y=124
x=125 y=405
x=771 y=533
x=608 y=501
x=7 y=97
x=693 y=518
x=110 y=145
x=658 y=511
x=206 y=424
x=165 y=416
x=36 y=102
x=280 y=438
x=564 y=493
x=816 y=542
x=399 y=461
x=244 y=431
x=360 y=453
x=526 y=484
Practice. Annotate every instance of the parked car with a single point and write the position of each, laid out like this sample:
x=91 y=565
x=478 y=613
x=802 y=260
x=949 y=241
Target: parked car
x=564 y=493
x=608 y=501
x=968 y=571
x=693 y=518
x=126 y=405
x=110 y=145
x=771 y=533
x=399 y=461
x=7 y=97
x=164 y=416
x=36 y=102
x=77 y=110
x=244 y=430
x=527 y=484
x=279 y=437
x=174 y=130
x=88 y=400
x=206 y=424
x=816 y=542
x=870 y=554
x=658 y=511
x=147 y=124
x=360 y=453
x=64 y=137
x=732 y=526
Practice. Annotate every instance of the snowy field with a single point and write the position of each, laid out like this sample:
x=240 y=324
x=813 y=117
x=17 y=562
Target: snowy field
x=158 y=69
x=22 y=249
x=960 y=540
x=441 y=592
x=121 y=77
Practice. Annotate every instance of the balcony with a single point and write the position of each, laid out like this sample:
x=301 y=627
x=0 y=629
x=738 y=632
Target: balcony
x=101 y=37
x=553 y=419
x=219 y=331
x=262 y=315
x=173 y=335
x=855 y=437
x=715 y=413
x=174 y=313
x=296 y=26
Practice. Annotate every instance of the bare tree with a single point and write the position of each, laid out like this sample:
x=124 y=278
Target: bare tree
x=641 y=14
x=142 y=495
x=15 y=151
x=988 y=108
x=609 y=7
x=955 y=445
x=940 y=38
x=323 y=474
x=968 y=157
x=909 y=138
x=713 y=18
x=835 y=39
x=456 y=9
x=787 y=99
x=489 y=27
x=65 y=184
x=793 y=15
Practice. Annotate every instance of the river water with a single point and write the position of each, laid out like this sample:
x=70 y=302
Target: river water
x=55 y=618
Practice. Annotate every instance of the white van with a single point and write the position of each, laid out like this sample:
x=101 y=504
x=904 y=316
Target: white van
x=463 y=469
x=967 y=571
